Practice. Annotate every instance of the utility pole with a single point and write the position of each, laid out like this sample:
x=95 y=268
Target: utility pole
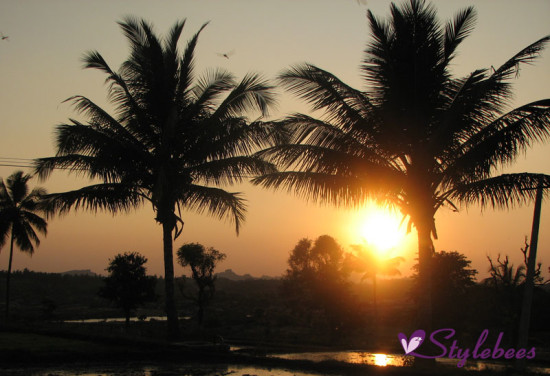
x=528 y=286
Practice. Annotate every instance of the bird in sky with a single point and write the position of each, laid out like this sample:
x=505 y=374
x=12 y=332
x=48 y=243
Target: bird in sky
x=4 y=37
x=227 y=55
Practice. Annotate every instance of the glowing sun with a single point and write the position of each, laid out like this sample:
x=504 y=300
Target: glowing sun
x=382 y=228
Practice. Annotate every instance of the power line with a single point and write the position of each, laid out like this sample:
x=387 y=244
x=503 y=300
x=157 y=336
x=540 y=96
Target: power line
x=20 y=159
x=15 y=165
x=16 y=162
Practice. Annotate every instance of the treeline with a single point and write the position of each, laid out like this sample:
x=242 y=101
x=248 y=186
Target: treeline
x=264 y=310
x=54 y=296
x=37 y=295
x=319 y=291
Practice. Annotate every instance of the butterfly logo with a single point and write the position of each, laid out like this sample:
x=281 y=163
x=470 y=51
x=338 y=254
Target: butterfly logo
x=416 y=340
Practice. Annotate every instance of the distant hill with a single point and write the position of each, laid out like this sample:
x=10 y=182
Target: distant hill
x=87 y=272
x=232 y=276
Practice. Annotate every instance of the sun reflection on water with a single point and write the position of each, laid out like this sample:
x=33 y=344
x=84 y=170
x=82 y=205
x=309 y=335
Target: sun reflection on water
x=357 y=357
x=380 y=360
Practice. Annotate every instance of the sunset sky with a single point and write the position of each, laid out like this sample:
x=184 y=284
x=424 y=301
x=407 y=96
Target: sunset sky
x=40 y=66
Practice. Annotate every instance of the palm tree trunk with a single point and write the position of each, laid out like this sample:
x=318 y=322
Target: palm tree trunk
x=374 y=300
x=171 y=312
x=8 y=278
x=425 y=255
x=376 y=330
x=424 y=309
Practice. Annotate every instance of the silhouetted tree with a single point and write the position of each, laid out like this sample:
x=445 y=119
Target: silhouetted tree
x=128 y=285
x=503 y=274
x=317 y=278
x=417 y=138
x=173 y=139
x=202 y=262
x=370 y=264
x=506 y=283
x=452 y=279
x=451 y=271
x=19 y=219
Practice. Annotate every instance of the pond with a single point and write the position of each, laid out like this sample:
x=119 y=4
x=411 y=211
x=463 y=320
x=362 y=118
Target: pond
x=165 y=369
x=119 y=319
x=160 y=370
x=363 y=357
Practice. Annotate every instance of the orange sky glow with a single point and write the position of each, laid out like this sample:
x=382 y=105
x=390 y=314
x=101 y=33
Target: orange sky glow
x=40 y=67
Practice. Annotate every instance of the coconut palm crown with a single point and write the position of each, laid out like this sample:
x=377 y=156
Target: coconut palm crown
x=173 y=139
x=417 y=138
x=19 y=219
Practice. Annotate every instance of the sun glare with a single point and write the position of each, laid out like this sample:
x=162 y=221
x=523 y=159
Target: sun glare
x=380 y=360
x=382 y=228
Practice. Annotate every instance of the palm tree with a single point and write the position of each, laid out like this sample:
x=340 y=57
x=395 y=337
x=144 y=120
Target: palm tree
x=19 y=219
x=418 y=138
x=172 y=140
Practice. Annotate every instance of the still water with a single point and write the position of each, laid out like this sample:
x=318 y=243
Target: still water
x=164 y=370
x=119 y=319
x=356 y=357
x=382 y=360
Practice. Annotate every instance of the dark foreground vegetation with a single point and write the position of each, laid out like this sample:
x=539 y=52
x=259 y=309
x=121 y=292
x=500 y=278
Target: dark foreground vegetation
x=255 y=315
x=40 y=352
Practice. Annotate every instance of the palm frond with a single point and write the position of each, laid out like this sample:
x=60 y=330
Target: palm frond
x=32 y=202
x=253 y=93
x=502 y=191
x=75 y=162
x=378 y=51
x=501 y=142
x=102 y=119
x=525 y=56
x=119 y=93
x=340 y=191
x=132 y=30
x=407 y=46
x=5 y=227
x=35 y=221
x=324 y=91
x=5 y=198
x=113 y=197
x=94 y=60
x=458 y=29
x=304 y=129
x=233 y=137
x=312 y=158
x=230 y=170
x=17 y=207
x=17 y=186
x=24 y=235
x=209 y=88
x=186 y=66
x=171 y=42
x=216 y=202
x=171 y=56
x=469 y=106
x=97 y=155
